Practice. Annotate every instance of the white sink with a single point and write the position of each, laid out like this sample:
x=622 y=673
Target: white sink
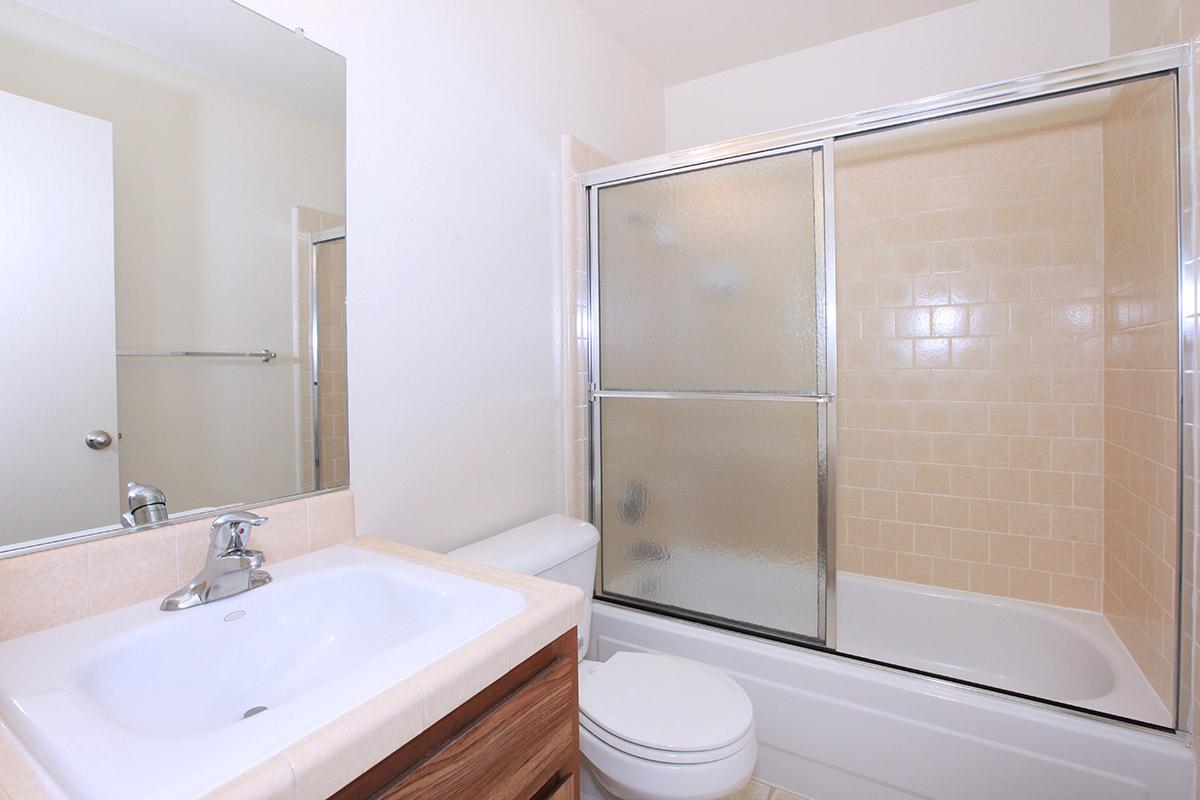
x=142 y=703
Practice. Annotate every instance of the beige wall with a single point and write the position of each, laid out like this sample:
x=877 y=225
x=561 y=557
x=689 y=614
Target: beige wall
x=969 y=284
x=455 y=274
x=1140 y=376
x=956 y=48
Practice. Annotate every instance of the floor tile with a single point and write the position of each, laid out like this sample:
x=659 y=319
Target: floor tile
x=783 y=794
x=756 y=790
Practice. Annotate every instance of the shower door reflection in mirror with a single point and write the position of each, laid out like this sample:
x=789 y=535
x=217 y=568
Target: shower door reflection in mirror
x=711 y=401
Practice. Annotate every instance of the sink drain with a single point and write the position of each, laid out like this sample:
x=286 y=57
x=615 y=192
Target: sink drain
x=250 y=712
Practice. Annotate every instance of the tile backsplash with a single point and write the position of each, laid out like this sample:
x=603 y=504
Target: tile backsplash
x=52 y=587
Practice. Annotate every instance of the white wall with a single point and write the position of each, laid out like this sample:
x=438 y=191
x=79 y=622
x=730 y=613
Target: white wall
x=203 y=250
x=455 y=112
x=984 y=41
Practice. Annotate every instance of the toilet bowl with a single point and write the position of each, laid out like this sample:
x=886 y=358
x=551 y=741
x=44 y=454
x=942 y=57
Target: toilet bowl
x=660 y=728
x=651 y=727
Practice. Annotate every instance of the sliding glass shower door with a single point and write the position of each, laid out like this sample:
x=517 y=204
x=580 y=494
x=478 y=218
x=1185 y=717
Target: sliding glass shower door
x=711 y=393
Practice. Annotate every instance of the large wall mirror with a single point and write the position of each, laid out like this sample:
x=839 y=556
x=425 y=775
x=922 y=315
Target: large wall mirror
x=172 y=280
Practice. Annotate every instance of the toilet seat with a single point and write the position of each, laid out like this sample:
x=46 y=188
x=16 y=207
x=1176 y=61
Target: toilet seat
x=665 y=756
x=663 y=709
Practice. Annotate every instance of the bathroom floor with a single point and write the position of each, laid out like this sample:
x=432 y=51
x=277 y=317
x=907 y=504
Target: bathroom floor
x=757 y=790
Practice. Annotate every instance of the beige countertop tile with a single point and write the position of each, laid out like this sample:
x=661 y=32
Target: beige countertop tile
x=329 y=758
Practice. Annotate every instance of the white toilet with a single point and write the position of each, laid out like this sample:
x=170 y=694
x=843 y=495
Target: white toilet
x=651 y=727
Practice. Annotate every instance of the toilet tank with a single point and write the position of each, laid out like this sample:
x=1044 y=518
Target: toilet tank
x=557 y=547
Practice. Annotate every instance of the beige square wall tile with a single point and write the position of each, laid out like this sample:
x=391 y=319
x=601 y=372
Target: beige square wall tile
x=330 y=519
x=950 y=573
x=1027 y=584
x=191 y=546
x=42 y=590
x=128 y=569
x=285 y=533
x=989 y=579
x=1075 y=592
x=75 y=581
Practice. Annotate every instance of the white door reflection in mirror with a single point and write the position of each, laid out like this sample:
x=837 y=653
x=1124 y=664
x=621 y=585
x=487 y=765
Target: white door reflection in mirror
x=58 y=362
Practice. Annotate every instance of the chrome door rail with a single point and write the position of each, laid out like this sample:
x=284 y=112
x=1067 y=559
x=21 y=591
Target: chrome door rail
x=826 y=469
x=1185 y=387
x=1069 y=79
x=759 y=396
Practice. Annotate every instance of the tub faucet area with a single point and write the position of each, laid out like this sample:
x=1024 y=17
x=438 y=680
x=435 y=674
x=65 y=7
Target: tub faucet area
x=230 y=569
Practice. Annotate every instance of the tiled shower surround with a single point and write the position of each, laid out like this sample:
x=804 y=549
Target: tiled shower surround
x=1007 y=367
x=577 y=158
x=1112 y=551
x=969 y=368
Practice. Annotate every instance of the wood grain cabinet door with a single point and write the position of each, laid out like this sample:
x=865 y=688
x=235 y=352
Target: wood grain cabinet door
x=518 y=739
x=567 y=790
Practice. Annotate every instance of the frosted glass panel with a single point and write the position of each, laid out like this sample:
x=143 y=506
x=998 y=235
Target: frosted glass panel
x=710 y=506
x=708 y=279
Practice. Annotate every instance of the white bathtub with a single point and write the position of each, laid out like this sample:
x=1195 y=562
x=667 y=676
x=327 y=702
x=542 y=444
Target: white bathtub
x=832 y=728
x=1039 y=650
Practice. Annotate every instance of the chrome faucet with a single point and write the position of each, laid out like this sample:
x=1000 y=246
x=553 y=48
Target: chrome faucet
x=147 y=505
x=231 y=568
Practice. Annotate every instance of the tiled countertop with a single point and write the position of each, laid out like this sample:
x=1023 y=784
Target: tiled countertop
x=329 y=758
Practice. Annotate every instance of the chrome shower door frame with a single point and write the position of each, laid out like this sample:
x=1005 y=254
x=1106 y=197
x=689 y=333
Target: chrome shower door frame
x=1172 y=60
x=314 y=342
x=826 y=360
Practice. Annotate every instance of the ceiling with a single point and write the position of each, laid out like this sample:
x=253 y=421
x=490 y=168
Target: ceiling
x=679 y=40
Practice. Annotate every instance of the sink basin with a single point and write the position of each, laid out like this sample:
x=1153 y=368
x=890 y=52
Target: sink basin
x=144 y=703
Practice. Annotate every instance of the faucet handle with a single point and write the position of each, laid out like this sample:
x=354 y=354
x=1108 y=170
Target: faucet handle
x=231 y=531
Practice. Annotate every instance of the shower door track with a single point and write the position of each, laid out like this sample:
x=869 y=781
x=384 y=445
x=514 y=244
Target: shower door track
x=1171 y=60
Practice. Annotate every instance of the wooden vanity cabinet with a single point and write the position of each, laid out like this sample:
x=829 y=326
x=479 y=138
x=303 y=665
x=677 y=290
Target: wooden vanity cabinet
x=518 y=739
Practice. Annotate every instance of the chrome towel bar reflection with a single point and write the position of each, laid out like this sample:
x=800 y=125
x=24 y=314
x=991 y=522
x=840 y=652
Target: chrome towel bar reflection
x=774 y=398
x=265 y=355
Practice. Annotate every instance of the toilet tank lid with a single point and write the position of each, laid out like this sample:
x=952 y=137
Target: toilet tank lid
x=535 y=546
